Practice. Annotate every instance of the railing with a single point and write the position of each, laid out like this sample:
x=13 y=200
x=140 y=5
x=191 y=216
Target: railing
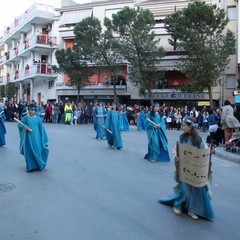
x=28 y=43
x=35 y=69
x=93 y=85
x=28 y=14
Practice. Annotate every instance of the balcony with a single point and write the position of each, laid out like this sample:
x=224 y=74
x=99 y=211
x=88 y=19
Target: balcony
x=42 y=43
x=36 y=14
x=39 y=72
x=91 y=89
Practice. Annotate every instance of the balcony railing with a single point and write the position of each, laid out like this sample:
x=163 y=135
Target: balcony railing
x=29 y=43
x=26 y=17
x=38 y=69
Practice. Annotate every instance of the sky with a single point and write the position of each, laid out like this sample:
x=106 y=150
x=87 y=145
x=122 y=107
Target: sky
x=12 y=8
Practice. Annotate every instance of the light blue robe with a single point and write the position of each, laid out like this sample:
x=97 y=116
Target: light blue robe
x=2 y=128
x=157 y=140
x=98 y=122
x=125 y=122
x=33 y=145
x=141 y=121
x=114 y=124
x=192 y=199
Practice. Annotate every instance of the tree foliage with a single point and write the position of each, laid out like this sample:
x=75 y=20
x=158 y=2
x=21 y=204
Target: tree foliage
x=99 y=45
x=136 y=42
x=75 y=64
x=10 y=90
x=199 y=30
x=2 y=91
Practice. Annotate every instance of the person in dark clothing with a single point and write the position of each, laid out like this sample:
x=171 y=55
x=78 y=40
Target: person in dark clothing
x=20 y=109
x=237 y=112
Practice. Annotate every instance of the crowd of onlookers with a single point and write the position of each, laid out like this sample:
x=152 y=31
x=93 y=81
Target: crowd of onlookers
x=53 y=112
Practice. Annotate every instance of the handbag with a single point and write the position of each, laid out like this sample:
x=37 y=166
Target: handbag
x=168 y=119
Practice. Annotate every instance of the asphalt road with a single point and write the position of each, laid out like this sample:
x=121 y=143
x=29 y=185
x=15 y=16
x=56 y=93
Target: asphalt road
x=91 y=192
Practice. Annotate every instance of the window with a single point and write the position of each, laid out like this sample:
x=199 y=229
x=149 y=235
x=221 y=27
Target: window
x=159 y=23
x=50 y=84
x=232 y=13
x=230 y=81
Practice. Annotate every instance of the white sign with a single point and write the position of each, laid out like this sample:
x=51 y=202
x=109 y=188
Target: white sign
x=194 y=165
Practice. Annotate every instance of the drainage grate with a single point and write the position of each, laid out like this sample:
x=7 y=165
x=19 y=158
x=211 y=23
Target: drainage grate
x=6 y=187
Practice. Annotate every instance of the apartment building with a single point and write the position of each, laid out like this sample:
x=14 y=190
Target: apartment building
x=57 y=26
x=27 y=53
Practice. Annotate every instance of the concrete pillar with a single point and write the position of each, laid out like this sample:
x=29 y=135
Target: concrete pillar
x=31 y=90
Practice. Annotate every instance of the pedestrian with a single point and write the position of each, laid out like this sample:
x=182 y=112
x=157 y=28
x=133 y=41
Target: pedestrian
x=213 y=127
x=113 y=127
x=196 y=201
x=157 y=140
x=2 y=127
x=68 y=112
x=33 y=140
x=228 y=121
x=99 y=118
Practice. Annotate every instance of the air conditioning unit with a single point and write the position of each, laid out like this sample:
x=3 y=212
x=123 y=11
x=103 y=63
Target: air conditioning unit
x=49 y=27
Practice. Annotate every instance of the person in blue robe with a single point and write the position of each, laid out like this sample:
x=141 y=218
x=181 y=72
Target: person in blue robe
x=195 y=201
x=113 y=127
x=2 y=128
x=33 y=140
x=141 y=121
x=123 y=114
x=157 y=140
x=99 y=117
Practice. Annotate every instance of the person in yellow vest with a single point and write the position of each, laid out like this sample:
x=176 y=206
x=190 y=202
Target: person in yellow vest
x=68 y=112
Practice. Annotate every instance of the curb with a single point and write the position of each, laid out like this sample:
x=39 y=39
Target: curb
x=222 y=153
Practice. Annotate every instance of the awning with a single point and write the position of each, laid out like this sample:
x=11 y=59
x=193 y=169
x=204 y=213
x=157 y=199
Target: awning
x=73 y=17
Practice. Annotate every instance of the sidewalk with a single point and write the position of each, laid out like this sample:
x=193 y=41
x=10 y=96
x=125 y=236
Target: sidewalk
x=222 y=153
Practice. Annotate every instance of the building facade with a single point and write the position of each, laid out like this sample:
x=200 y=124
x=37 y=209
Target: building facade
x=28 y=55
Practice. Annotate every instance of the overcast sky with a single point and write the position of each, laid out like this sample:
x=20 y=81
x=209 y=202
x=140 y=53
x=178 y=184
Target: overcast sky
x=15 y=8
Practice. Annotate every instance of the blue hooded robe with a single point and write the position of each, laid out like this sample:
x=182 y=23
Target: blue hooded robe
x=99 y=117
x=33 y=145
x=114 y=124
x=2 y=128
x=125 y=122
x=157 y=140
x=141 y=121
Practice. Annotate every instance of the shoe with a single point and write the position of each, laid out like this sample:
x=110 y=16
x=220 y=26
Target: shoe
x=192 y=215
x=177 y=211
x=99 y=139
x=110 y=146
x=153 y=161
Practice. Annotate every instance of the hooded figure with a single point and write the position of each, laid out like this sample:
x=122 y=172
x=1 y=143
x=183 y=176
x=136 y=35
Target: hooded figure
x=157 y=140
x=33 y=140
x=113 y=127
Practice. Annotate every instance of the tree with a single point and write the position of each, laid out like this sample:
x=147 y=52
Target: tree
x=199 y=30
x=137 y=43
x=99 y=46
x=2 y=91
x=74 y=63
x=10 y=90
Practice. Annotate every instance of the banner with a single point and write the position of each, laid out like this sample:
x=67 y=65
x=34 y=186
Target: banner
x=193 y=165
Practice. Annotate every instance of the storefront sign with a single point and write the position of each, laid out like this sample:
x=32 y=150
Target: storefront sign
x=203 y=103
x=173 y=96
